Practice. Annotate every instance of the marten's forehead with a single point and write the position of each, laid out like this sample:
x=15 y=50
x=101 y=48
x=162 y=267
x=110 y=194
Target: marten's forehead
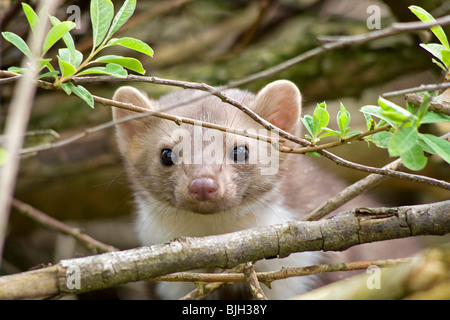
x=202 y=106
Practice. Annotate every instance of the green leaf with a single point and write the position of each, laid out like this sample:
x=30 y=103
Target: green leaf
x=434 y=48
x=423 y=109
x=16 y=69
x=66 y=86
x=68 y=40
x=133 y=44
x=381 y=139
x=130 y=63
x=394 y=112
x=369 y=121
x=67 y=69
x=446 y=57
x=80 y=92
x=343 y=119
x=125 y=12
x=66 y=55
x=440 y=65
x=308 y=123
x=402 y=140
x=426 y=17
x=414 y=159
x=48 y=74
x=433 y=117
x=111 y=69
x=424 y=146
x=387 y=105
x=378 y=112
x=32 y=17
x=18 y=42
x=440 y=146
x=313 y=154
x=56 y=33
x=42 y=63
x=353 y=133
x=102 y=12
x=321 y=118
x=330 y=132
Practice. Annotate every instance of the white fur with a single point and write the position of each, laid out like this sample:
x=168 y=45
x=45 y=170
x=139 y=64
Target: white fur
x=157 y=223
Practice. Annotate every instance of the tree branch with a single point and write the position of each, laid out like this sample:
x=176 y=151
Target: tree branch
x=226 y=251
x=423 y=87
x=283 y=273
x=436 y=105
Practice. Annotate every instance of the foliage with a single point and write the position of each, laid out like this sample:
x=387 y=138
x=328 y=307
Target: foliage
x=440 y=51
x=317 y=123
x=403 y=138
x=70 y=60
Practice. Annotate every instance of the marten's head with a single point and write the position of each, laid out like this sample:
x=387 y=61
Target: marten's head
x=199 y=169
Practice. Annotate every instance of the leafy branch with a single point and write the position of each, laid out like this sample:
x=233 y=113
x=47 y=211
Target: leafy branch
x=397 y=130
x=70 y=60
x=441 y=51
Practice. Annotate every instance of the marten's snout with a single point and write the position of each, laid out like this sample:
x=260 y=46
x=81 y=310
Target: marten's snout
x=203 y=189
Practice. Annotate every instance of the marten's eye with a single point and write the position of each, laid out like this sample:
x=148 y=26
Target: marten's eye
x=168 y=157
x=240 y=154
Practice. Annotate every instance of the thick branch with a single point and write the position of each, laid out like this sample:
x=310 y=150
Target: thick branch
x=226 y=251
x=436 y=104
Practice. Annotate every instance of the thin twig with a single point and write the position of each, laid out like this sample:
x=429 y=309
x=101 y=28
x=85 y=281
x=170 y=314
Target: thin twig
x=284 y=273
x=51 y=223
x=204 y=289
x=252 y=280
x=422 y=87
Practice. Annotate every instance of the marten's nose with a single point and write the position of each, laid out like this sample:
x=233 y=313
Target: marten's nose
x=203 y=189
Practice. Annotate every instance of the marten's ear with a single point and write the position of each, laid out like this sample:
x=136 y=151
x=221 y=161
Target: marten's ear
x=133 y=96
x=129 y=95
x=280 y=103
